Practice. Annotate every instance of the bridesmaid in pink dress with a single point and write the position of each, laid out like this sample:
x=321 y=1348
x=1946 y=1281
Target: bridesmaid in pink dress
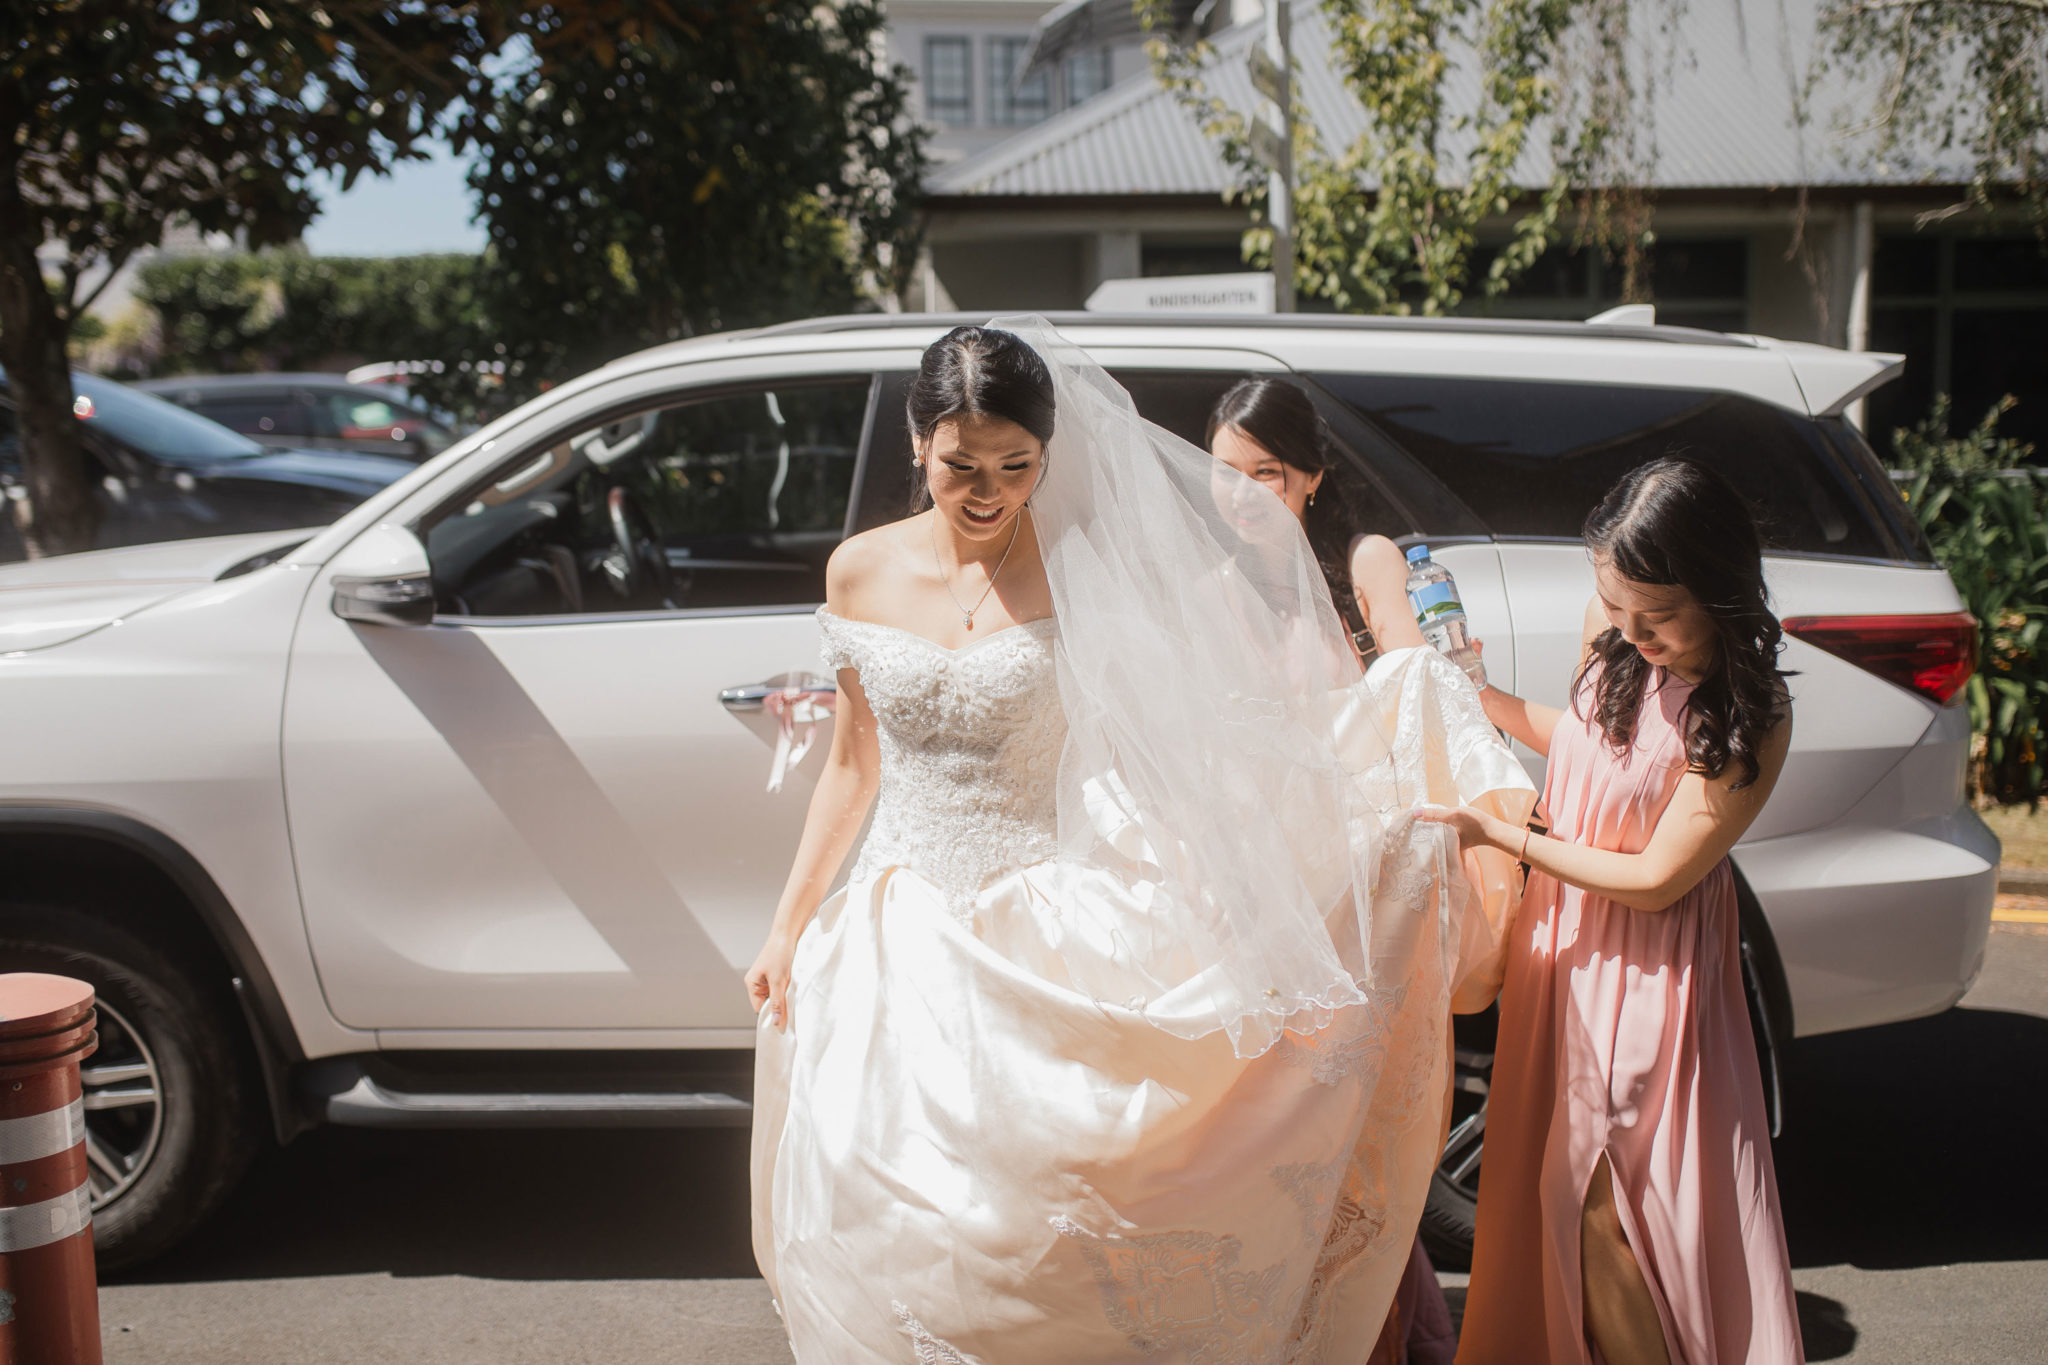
x=1627 y=1208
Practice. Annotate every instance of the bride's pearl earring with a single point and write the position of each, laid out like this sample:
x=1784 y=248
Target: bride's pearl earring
x=917 y=462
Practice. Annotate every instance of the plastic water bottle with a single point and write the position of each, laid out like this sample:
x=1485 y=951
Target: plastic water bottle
x=1433 y=594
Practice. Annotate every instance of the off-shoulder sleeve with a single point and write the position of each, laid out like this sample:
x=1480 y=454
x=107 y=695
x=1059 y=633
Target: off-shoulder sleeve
x=836 y=642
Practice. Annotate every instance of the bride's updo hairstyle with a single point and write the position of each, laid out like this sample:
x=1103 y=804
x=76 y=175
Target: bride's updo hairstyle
x=978 y=372
x=1673 y=522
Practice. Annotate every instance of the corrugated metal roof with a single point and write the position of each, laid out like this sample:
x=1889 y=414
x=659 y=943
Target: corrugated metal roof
x=1722 y=115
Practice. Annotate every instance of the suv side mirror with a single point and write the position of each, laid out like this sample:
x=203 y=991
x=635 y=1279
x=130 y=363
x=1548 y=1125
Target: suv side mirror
x=383 y=579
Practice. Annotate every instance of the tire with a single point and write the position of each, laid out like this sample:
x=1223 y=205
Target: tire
x=171 y=1117
x=1448 y=1215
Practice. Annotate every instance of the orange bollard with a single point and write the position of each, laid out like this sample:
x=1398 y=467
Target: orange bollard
x=49 y=1294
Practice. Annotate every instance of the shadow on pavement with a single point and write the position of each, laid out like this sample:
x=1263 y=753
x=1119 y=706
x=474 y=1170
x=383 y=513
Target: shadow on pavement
x=1824 y=1327
x=1917 y=1144
x=551 y=1205
x=1909 y=1145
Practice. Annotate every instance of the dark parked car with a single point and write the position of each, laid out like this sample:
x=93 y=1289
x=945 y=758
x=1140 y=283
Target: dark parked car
x=317 y=411
x=168 y=474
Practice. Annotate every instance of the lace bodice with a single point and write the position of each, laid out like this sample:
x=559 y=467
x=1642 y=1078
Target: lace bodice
x=970 y=742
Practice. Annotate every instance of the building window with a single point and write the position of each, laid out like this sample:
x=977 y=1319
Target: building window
x=1968 y=314
x=949 y=80
x=1013 y=103
x=1087 y=75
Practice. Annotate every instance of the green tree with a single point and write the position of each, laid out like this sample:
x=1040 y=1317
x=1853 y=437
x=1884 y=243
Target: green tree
x=1952 y=75
x=288 y=310
x=675 y=182
x=1984 y=508
x=123 y=116
x=1389 y=224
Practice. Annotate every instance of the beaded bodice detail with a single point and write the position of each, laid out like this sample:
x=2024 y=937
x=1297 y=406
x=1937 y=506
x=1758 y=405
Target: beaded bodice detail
x=970 y=744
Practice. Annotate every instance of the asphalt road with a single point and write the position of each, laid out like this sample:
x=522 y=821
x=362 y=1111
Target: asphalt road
x=1914 y=1172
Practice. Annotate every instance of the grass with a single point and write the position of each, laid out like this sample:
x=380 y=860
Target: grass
x=2023 y=832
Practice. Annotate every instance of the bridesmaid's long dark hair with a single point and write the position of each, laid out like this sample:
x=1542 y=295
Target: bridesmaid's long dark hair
x=1673 y=522
x=1279 y=416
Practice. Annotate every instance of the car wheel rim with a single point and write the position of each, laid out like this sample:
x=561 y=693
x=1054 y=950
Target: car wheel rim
x=1459 y=1164
x=124 y=1111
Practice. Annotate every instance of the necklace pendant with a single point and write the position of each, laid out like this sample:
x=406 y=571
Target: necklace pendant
x=967 y=619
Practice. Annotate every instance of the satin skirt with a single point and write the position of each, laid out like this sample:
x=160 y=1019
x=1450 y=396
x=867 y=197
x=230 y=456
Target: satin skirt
x=960 y=1157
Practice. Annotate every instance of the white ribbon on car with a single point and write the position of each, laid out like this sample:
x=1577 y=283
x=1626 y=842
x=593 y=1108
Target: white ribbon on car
x=803 y=701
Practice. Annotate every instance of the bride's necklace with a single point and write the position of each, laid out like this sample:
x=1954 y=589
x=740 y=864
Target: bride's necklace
x=967 y=613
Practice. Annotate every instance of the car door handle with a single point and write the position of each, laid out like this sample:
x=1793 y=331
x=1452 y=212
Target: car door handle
x=754 y=696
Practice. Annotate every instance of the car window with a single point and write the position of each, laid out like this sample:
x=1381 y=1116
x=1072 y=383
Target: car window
x=162 y=431
x=1533 y=458
x=361 y=417
x=742 y=495
x=1178 y=400
x=265 y=417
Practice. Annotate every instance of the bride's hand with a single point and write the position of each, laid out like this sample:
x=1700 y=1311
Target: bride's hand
x=768 y=981
x=1473 y=828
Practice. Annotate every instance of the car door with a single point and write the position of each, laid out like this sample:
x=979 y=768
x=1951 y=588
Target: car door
x=536 y=815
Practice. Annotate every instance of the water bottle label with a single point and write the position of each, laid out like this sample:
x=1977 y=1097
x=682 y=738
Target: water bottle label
x=1435 y=601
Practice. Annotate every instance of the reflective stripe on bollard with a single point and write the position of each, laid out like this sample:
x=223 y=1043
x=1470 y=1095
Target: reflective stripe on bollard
x=49 y=1293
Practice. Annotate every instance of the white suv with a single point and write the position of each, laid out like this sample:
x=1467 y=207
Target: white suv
x=455 y=812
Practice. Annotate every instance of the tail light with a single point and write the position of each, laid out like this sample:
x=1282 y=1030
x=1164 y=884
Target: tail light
x=1931 y=655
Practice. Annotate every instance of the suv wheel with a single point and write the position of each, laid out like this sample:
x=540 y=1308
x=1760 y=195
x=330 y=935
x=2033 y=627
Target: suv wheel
x=169 y=1114
x=1447 y=1218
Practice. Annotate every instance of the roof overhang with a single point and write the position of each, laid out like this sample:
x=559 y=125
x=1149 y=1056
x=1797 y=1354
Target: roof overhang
x=1081 y=24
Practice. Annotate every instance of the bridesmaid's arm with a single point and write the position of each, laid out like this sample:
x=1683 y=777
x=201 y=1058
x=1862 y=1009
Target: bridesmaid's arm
x=1704 y=820
x=1532 y=722
x=1379 y=581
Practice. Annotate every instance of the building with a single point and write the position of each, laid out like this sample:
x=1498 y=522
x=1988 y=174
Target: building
x=966 y=59
x=1763 y=223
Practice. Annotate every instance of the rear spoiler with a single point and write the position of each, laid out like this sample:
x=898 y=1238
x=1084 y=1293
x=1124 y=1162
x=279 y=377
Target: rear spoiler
x=1832 y=379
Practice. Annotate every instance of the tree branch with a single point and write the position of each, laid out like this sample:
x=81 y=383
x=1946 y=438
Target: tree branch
x=1873 y=6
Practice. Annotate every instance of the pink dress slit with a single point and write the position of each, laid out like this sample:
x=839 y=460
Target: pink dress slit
x=1625 y=1033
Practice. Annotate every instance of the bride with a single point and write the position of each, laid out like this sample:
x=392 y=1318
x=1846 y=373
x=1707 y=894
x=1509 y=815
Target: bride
x=1126 y=1036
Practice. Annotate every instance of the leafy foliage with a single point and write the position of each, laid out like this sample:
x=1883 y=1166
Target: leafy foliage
x=1390 y=223
x=1968 y=74
x=664 y=185
x=287 y=310
x=1985 y=510
x=123 y=116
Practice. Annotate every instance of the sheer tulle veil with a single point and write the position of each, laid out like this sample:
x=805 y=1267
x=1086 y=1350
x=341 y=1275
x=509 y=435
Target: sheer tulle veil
x=1204 y=671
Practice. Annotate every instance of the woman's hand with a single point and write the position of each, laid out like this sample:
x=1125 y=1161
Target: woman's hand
x=1474 y=828
x=768 y=980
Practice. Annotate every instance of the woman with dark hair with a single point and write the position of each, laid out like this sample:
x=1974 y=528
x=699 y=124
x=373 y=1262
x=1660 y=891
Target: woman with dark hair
x=1124 y=1037
x=1627 y=1202
x=1268 y=430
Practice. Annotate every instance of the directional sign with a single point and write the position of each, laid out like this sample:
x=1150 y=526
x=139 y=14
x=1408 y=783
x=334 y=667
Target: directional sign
x=1248 y=293
x=1266 y=75
x=1268 y=146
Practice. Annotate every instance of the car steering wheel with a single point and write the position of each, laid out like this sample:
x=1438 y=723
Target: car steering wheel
x=637 y=556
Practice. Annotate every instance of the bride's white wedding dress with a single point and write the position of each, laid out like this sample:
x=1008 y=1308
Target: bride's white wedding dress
x=960 y=1154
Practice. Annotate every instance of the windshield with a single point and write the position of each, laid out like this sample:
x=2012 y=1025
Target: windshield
x=163 y=431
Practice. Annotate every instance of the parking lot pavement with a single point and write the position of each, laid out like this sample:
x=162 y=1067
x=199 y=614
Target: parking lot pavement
x=1912 y=1170
x=1913 y=1178
x=491 y=1248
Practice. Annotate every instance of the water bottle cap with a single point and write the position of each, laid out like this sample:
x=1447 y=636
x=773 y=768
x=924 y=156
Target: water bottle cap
x=1416 y=552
